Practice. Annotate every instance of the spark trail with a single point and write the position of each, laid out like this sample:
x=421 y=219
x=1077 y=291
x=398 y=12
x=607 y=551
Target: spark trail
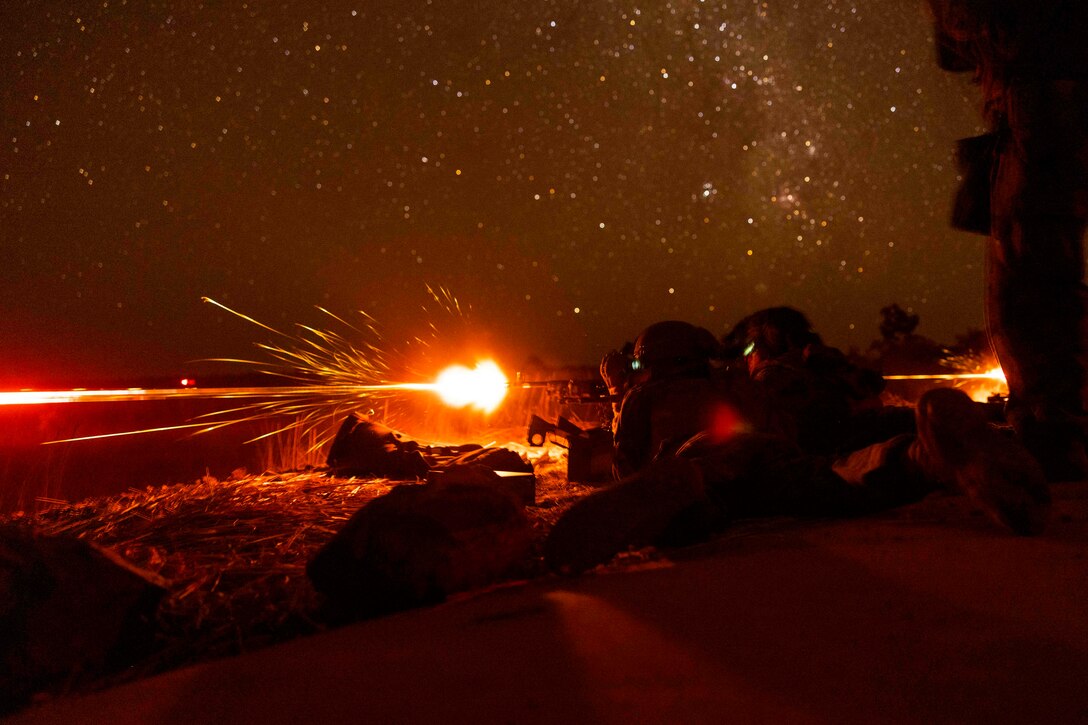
x=331 y=376
x=995 y=374
x=44 y=397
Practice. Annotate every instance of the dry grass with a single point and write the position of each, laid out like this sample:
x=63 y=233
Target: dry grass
x=235 y=551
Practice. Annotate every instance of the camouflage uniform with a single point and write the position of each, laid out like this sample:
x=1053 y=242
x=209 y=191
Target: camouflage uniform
x=668 y=392
x=783 y=441
x=832 y=406
x=658 y=418
x=829 y=405
x=766 y=475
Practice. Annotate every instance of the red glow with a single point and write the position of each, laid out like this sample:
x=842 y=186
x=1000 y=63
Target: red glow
x=726 y=423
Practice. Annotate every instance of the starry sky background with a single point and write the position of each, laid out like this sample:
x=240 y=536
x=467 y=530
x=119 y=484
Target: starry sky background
x=571 y=170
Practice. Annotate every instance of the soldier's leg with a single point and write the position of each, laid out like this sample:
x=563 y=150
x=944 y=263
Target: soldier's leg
x=756 y=475
x=636 y=511
x=1036 y=297
x=680 y=499
x=955 y=447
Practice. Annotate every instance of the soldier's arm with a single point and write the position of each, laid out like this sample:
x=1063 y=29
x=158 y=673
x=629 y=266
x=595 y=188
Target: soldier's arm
x=630 y=451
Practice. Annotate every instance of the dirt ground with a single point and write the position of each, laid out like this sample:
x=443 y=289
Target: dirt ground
x=924 y=614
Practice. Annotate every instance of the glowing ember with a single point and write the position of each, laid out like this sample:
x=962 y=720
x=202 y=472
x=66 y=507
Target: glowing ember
x=483 y=387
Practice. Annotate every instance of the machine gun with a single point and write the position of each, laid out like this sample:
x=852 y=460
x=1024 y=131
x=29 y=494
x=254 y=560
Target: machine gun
x=569 y=391
x=589 y=450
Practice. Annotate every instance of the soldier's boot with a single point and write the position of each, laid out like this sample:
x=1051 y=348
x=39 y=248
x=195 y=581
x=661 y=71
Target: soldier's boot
x=635 y=512
x=957 y=446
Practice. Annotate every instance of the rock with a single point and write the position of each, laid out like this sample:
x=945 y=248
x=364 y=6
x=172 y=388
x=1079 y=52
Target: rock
x=68 y=609
x=515 y=473
x=365 y=449
x=420 y=543
x=497 y=459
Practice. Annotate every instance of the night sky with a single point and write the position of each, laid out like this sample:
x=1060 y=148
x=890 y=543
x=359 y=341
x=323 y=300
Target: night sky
x=572 y=171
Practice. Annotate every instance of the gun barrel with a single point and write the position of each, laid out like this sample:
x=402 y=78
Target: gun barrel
x=568 y=390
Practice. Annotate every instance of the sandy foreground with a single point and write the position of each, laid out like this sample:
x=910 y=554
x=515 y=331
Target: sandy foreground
x=925 y=614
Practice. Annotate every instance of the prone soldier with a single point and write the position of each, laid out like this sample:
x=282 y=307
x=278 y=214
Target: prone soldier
x=698 y=445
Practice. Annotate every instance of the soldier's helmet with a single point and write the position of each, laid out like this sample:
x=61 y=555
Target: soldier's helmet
x=674 y=347
x=773 y=332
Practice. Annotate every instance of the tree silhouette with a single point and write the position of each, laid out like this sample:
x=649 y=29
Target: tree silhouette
x=896 y=322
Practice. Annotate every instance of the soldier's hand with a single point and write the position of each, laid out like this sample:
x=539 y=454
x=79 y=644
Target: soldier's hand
x=615 y=369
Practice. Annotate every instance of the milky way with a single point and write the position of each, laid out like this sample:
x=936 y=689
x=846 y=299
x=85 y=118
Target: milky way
x=571 y=170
